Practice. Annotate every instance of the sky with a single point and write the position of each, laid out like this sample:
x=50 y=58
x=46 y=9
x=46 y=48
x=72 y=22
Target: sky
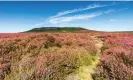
x=19 y=16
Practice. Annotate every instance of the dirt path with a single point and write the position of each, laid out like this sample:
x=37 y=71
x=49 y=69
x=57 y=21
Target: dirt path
x=98 y=45
x=85 y=72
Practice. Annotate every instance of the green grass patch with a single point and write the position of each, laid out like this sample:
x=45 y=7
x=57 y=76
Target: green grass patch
x=57 y=29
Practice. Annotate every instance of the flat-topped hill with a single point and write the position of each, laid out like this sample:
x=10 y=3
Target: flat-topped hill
x=58 y=29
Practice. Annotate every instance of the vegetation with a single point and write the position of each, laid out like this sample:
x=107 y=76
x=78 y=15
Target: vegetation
x=57 y=29
x=46 y=56
x=116 y=59
x=66 y=56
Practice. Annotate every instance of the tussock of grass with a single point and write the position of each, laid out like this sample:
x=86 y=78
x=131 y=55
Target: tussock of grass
x=85 y=72
x=87 y=65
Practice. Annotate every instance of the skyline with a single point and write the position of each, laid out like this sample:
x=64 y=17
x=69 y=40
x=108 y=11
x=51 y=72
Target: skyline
x=95 y=15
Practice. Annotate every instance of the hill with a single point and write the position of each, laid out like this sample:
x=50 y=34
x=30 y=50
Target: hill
x=72 y=29
x=58 y=29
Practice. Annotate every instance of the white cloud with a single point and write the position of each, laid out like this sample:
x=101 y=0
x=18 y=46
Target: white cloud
x=42 y=18
x=113 y=10
x=81 y=17
x=109 y=11
x=112 y=20
x=122 y=9
x=71 y=18
x=77 y=10
x=59 y=18
x=39 y=24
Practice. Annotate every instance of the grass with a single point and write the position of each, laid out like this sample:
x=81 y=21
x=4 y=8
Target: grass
x=89 y=64
x=58 y=29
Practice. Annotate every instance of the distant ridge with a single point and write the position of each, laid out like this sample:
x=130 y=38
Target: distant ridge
x=58 y=29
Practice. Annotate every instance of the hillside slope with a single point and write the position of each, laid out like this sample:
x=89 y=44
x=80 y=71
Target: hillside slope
x=60 y=29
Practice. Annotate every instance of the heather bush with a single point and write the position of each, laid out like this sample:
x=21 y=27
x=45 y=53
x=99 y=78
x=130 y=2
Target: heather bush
x=51 y=41
x=46 y=56
x=116 y=59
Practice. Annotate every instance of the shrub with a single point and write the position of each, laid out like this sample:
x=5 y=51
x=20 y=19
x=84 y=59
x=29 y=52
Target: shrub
x=45 y=56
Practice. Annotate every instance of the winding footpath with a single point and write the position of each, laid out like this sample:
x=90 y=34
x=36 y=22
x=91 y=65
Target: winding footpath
x=85 y=72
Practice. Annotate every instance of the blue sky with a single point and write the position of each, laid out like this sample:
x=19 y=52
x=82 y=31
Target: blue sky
x=96 y=15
